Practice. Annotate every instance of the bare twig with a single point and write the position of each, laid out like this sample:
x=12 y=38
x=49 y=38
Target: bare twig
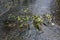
x=4 y=12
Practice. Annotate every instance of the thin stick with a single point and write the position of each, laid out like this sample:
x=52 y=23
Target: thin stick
x=4 y=12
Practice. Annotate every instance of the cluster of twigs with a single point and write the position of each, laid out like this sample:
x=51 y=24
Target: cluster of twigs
x=23 y=21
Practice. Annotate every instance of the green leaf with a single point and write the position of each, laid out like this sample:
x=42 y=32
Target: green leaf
x=21 y=25
x=19 y=18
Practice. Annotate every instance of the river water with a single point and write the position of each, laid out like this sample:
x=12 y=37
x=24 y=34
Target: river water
x=40 y=7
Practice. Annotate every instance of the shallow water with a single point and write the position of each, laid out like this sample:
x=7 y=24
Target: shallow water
x=40 y=7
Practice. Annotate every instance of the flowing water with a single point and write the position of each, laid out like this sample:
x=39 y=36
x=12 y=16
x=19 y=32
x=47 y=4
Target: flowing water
x=37 y=7
x=42 y=7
